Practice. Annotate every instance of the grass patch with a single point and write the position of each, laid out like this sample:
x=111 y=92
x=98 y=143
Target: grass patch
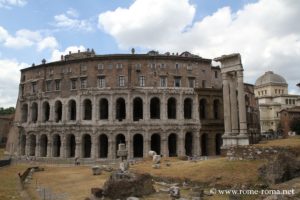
x=9 y=184
x=219 y=171
x=292 y=142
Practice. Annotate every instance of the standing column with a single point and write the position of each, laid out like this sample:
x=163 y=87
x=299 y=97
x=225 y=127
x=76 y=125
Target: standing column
x=27 y=145
x=226 y=104
x=242 y=105
x=111 y=147
x=146 y=108
x=78 y=109
x=129 y=108
x=233 y=106
x=95 y=144
x=94 y=109
x=180 y=144
x=78 y=147
x=164 y=146
x=111 y=107
x=163 y=109
x=37 y=146
x=179 y=108
x=63 y=147
x=196 y=143
x=196 y=108
x=39 y=112
x=49 y=147
x=146 y=145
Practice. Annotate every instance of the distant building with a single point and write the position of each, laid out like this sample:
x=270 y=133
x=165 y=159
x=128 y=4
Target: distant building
x=271 y=91
x=287 y=116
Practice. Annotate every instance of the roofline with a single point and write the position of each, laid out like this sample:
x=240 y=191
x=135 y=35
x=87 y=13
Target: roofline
x=120 y=56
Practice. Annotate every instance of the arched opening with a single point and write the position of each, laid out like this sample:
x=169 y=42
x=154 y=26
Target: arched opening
x=56 y=145
x=219 y=143
x=155 y=108
x=172 y=145
x=189 y=144
x=72 y=110
x=137 y=109
x=86 y=146
x=171 y=108
x=23 y=144
x=58 y=111
x=43 y=145
x=188 y=108
x=34 y=112
x=204 y=140
x=217 y=109
x=202 y=108
x=87 y=109
x=138 y=146
x=71 y=145
x=46 y=111
x=24 y=112
x=32 y=145
x=120 y=138
x=103 y=149
x=103 y=104
x=155 y=143
x=120 y=109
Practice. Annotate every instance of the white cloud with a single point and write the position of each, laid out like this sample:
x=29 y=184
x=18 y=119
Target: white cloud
x=9 y=80
x=48 y=42
x=265 y=33
x=9 y=3
x=27 y=38
x=56 y=54
x=69 y=20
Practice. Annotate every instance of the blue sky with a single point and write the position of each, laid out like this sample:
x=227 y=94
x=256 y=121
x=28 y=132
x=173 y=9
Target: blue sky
x=263 y=31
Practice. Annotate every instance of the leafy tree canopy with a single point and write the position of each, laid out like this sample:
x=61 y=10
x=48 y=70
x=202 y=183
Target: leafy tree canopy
x=7 y=111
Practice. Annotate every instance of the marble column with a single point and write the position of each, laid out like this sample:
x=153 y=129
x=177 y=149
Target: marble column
x=242 y=104
x=233 y=106
x=226 y=105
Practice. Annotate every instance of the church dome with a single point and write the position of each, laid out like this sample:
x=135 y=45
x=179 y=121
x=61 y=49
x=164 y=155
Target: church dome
x=270 y=78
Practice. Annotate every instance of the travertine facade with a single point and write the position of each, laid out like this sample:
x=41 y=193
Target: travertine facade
x=86 y=104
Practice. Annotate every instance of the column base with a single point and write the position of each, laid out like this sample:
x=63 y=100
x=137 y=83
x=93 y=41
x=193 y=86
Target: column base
x=239 y=140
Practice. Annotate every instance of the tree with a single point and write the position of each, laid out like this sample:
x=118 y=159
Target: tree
x=295 y=125
x=7 y=111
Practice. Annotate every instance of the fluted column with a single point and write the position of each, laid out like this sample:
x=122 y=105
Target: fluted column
x=233 y=106
x=242 y=105
x=226 y=105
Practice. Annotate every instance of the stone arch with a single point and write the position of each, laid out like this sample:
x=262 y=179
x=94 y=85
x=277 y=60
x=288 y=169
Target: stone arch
x=70 y=145
x=188 y=108
x=56 y=145
x=32 y=145
x=204 y=144
x=219 y=142
x=43 y=145
x=86 y=146
x=34 y=112
x=172 y=145
x=120 y=109
x=137 y=109
x=23 y=145
x=87 y=109
x=202 y=109
x=188 y=144
x=217 y=109
x=103 y=108
x=103 y=146
x=156 y=143
x=171 y=108
x=24 y=111
x=46 y=111
x=138 y=146
x=72 y=110
x=58 y=111
x=155 y=108
x=120 y=138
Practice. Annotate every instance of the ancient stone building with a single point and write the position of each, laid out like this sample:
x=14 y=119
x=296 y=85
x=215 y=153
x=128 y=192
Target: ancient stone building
x=6 y=122
x=86 y=104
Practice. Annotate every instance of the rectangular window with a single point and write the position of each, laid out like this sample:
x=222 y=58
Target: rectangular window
x=119 y=66
x=142 y=81
x=177 y=81
x=286 y=101
x=83 y=68
x=33 y=87
x=48 y=86
x=121 y=81
x=189 y=67
x=110 y=66
x=153 y=66
x=163 y=65
x=216 y=74
x=57 y=85
x=177 y=66
x=73 y=84
x=203 y=84
x=138 y=66
x=191 y=82
x=163 y=81
x=21 y=90
x=275 y=91
x=83 y=83
x=100 y=66
x=101 y=81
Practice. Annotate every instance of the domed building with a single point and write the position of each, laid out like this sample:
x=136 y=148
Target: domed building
x=271 y=90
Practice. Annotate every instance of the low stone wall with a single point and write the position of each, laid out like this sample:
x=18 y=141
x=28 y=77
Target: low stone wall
x=253 y=152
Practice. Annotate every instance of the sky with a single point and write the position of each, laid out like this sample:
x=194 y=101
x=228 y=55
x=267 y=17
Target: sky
x=265 y=32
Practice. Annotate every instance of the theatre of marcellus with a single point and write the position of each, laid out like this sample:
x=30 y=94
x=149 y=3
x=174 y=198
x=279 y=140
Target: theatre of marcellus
x=85 y=104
